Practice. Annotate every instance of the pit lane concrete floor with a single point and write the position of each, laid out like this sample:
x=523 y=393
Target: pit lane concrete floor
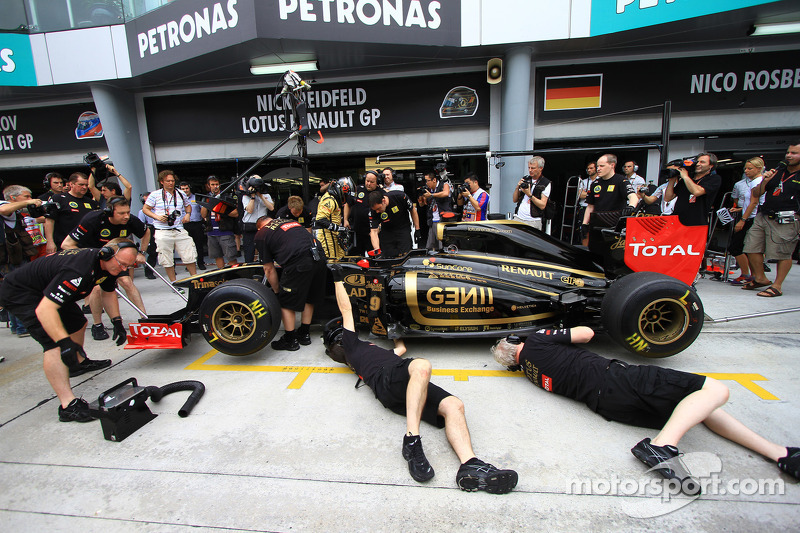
x=284 y=442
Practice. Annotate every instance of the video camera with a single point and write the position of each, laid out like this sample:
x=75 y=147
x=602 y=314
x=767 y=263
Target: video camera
x=257 y=185
x=48 y=208
x=689 y=163
x=98 y=164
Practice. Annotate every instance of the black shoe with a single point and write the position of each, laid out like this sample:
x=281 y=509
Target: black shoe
x=89 y=365
x=418 y=465
x=791 y=463
x=285 y=343
x=76 y=411
x=150 y=275
x=99 y=332
x=86 y=310
x=767 y=268
x=477 y=475
x=304 y=338
x=201 y=266
x=666 y=460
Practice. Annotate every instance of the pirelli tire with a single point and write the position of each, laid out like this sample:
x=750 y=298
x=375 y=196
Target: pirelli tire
x=240 y=317
x=652 y=314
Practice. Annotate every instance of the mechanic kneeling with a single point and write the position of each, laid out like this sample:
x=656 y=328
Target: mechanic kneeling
x=44 y=295
x=302 y=282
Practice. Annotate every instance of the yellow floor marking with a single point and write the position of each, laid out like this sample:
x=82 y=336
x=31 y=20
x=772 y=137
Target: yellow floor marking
x=746 y=381
x=303 y=373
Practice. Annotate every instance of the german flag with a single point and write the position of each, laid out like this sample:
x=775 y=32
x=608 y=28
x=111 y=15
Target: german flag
x=573 y=92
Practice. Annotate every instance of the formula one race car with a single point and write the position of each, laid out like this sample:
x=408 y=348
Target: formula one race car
x=491 y=279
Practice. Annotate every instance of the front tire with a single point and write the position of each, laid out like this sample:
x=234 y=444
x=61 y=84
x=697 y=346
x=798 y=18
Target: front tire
x=652 y=314
x=240 y=317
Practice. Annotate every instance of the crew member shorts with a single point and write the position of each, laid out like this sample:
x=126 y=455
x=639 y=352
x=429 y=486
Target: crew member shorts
x=775 y=241
x=390 y=389
x=71 y=316
x=644 y=395
x=302 y=281
x=168 y=241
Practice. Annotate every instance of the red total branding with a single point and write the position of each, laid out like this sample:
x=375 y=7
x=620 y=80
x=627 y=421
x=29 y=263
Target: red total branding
x=664 y=250
x=155 y=330
x=547 y=383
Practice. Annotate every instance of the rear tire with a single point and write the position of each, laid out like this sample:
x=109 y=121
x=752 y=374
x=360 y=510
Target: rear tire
x=652 y=314
x=240 y=317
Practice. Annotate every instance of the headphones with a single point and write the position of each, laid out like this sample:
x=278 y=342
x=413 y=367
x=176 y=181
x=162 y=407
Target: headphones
x=48 y=177
x=375 y=173
x=394 y=174
x=108 y=210
x=107 y=252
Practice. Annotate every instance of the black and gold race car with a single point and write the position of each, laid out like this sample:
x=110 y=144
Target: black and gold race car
x=490 y=279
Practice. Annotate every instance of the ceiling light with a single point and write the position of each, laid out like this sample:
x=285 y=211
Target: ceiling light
x=777 y=28
x=280 y=68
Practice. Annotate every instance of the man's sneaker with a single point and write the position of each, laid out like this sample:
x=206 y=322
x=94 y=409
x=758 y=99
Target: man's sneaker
x=304 y=338
x=86 y=310
x=418 y=465
x=22 y=334
x=791 y=463
x=76 y=411
x=99 y=332
x=666 y=460
x=477 y=475
x=285 y=343
x=89 y=365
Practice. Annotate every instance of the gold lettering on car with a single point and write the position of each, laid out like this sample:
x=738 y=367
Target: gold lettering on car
x=460 y=296
x=569 y=280
x=197 y=284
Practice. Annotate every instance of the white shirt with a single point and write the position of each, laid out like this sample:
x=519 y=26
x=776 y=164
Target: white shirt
x=637 y=182
x=743 y=191
x=259 y=209
x=524 y=211
x=666 y=207
x=394 y=187
x=163 y=203
x=583 y=185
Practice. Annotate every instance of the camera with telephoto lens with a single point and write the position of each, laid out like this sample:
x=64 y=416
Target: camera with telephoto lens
x=48 y=208
x=257 y=185
x=172 y=217
x=98 y=164
x=668 y=174
x=462 y=188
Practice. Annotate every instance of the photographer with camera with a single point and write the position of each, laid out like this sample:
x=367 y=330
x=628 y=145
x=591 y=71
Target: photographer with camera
x=170 y=209
x=96 y=230
x=54 y=183
x=695 y=190
x=532 y=194
x=257 y=203
x=71 y=207
x=667 y=175
x=774 y=232
x=220 y=228
x=474 y=199
x=44 y=296
x=16 y=245
x=436 y=194
x=103 y=167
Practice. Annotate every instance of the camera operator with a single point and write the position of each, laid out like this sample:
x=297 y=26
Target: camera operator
x=72 y=207
x=531 y=194
x=332 y=218
x=390 y=228
x=16 y=245
x=220 y=229
x=170 y=209
x=437 y=196
x=107 y=187
x=55 y=185
x=152 y=253
x=474 y=199
x=96 y=230
x=361 y=211
x=257 y=203
x=43 y=295
x=695 y=194
x=611 y=197
x=196 y=226
x=296 y=210
x=774 y=232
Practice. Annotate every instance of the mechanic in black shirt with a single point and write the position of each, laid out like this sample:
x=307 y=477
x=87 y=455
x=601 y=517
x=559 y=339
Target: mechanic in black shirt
x=774 y=232
x=695 y=195
x=403 y=386
x=640 y=395
x=44 y=295
x=360 y=212
x=55 y=185
x=97 y=229
x=296 y=210
x=302 y=282
x=72 y=206
x=390 y=228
